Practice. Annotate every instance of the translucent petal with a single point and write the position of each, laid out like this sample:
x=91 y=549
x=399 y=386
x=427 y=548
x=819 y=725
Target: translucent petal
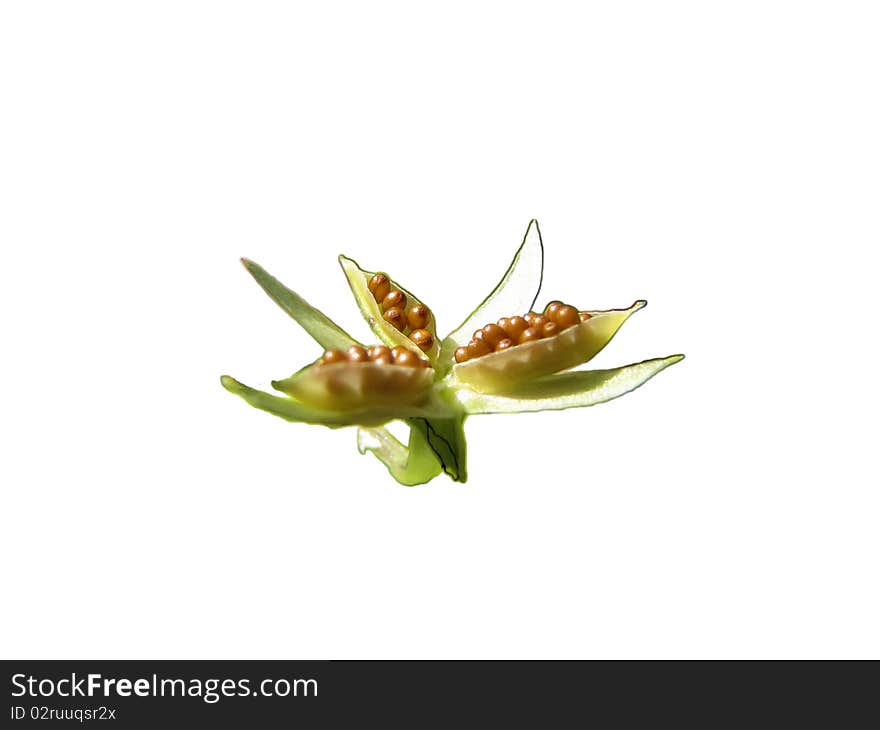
x=516 y=293
x=568 y=390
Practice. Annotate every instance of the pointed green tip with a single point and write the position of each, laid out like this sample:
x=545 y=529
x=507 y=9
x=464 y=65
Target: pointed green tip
x=230 y=383
x=252 y=267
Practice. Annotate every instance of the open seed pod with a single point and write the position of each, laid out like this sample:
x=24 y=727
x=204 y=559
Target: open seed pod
x=350 y=386
x=498 y=371
x=389 y=317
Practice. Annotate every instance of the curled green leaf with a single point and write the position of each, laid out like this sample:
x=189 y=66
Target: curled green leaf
x=413 y=464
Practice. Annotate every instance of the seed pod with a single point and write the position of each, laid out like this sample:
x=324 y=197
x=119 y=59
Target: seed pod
x=387 y=333
x=462 y=354
x=356 y=353
x=379 y=286
x=551 y=310
x=417 y=317
x=478 y=348
x=535 y=357
x=550 y=330
x=354 y=386
x=504 y=344
x=395 y=299
x=396 y=318
x=330 y=357
x=377 y=351
x=513 y=326
x=423 y=339
x=567 y=316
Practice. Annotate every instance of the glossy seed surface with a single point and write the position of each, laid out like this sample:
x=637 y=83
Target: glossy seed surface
x=379 y=285
x=333 y=356
x=514 y=327
x=396 y=318
x=356 y=353
x=551 y=310
x=407 y=358
x=395 y=299
x=493 y=334
x=567 y=316
x=478 y=348
x=423 y=339
x=418 y=316
x=378 y=351
x=462 y=354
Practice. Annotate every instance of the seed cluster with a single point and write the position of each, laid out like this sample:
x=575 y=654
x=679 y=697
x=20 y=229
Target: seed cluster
x=513 y=331
x=411 y=322
x=377 y=353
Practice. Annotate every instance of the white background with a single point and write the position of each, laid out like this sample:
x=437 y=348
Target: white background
x=719 y=160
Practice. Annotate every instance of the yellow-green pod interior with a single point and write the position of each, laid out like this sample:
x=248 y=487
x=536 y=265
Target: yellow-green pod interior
x=350 y=386
x=499 y=371
x=358 y=280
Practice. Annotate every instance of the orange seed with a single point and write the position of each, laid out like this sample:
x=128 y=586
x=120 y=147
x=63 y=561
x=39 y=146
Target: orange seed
x=395 y=299
x=478 y=348
x=407 y=358
x=551 y=310
x=395 y=317
x=567 y=316
x=423 y=339
x=513 y=326
x=333 y=356
x=493 y=334
x=417 y=317
x=356 y=353
x=377 y=351
x=530 y=335
x=379 y=286
x=462 y=354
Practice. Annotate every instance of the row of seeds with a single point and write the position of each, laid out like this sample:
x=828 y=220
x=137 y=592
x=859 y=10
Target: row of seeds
x=377 y=353
x=513 y=331
x=411 y=322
